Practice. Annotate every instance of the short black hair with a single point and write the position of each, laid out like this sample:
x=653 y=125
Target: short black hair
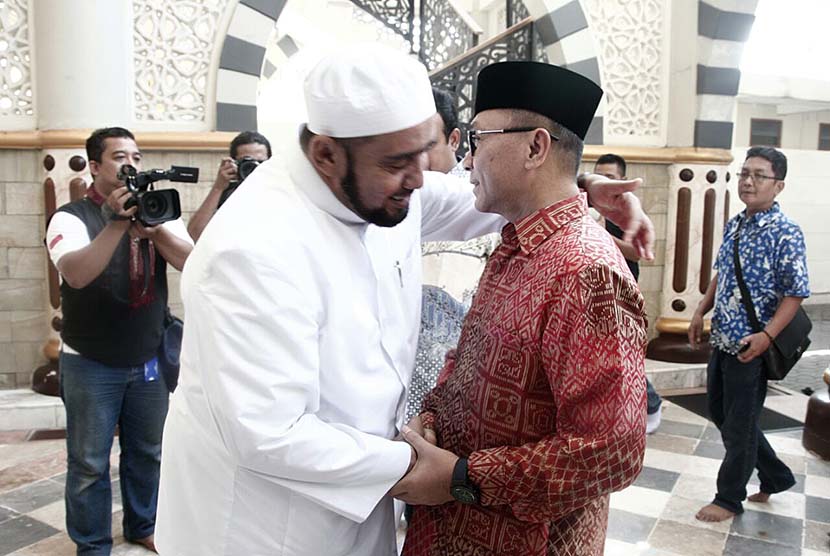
x=95 y=142
x=445 y=105
x=775 y=157
x=613 y=159
x=569 y=145
x=248 y=137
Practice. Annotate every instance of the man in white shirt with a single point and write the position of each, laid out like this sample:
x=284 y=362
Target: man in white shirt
x=113 y=299
x=302 y=301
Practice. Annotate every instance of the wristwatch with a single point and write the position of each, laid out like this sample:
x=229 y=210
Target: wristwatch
x=461 y=488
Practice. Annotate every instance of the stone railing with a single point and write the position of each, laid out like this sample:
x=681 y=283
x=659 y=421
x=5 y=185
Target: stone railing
x=446 y=32
x=397 y=15
x=444 y=28
x=458 y=76
x=516 y=11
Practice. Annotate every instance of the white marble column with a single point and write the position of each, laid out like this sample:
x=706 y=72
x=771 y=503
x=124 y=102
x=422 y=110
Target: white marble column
x=84 y=63
x=84 y=80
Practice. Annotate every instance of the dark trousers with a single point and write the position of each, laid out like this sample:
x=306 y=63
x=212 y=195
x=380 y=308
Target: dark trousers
x=653 y=399
x=736 y=393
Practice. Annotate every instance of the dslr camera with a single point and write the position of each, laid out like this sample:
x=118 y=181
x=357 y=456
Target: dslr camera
x=155 y=206
x=244 y=167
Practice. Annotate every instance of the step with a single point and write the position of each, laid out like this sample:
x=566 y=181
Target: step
x=671 y=377
x=26 y=409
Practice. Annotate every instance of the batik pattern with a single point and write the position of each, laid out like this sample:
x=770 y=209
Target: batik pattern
x=774 y=265
x=546 y=397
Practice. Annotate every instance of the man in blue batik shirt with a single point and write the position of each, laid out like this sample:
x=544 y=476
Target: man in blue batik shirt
x=774 y=265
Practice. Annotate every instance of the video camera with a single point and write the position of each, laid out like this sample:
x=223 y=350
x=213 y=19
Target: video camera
x=155 y=207
x=244 y=167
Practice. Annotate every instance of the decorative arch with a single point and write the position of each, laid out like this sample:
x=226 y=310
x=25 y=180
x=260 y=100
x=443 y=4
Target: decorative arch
x=566 y=36
x=564 y=29
x=241 y=63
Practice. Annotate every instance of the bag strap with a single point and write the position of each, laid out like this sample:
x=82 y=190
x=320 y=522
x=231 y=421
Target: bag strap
x=746 y=300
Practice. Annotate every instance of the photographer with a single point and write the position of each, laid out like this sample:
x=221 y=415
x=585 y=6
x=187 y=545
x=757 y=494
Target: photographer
x=113 y=297
x=245 y=146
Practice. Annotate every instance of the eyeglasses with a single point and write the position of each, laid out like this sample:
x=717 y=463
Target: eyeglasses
x=474 y=135
x=756 y=177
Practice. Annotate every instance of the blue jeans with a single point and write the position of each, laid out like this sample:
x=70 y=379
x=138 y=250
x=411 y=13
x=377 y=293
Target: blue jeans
x=735 y=393
x=97 y=398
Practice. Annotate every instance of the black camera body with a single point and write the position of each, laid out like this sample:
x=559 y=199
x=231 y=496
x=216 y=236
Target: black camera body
x=244 y=167
x=155 y=206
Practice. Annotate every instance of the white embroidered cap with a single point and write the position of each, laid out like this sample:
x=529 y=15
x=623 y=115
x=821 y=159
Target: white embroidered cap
x=365 y=90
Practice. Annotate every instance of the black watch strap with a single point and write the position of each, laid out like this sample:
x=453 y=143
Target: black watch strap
x=460 y=487
x=459 y=472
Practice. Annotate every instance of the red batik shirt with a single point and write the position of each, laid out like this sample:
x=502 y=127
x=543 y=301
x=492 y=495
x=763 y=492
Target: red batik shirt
x=547 y=395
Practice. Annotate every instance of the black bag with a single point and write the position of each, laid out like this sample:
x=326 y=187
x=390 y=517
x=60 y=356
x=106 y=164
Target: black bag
x=785 y=349
x=170 y=349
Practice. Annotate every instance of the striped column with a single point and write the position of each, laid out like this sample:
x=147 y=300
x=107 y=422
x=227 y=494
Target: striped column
x=723 y=27
x=566 y=36
x=241 y=63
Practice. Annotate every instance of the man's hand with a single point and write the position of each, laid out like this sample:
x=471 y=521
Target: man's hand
x=428 y=434
x=117 y=199
x=757 y=344
x=227 y=173
x=695 y=330
x=616 y=202
x=428 y=482
x=139 y=230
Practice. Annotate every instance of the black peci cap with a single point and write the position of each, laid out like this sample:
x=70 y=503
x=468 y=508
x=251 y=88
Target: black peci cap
x=563 y=96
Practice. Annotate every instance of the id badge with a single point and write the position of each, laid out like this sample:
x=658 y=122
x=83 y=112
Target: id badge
x=151 y=370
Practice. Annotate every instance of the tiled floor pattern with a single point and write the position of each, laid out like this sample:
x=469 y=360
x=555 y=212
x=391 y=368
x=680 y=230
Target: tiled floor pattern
x=654 y=517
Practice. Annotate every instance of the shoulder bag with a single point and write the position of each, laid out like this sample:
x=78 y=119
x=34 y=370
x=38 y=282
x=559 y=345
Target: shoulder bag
x=787 y=347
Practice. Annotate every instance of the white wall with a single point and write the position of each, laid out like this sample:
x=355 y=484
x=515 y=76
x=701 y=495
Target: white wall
x=805 y=199
x=798 y=131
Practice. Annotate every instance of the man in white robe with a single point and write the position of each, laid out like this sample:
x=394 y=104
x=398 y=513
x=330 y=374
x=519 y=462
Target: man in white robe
x=302 y=307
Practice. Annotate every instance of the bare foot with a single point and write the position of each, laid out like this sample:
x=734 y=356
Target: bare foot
x=713 y=513
x=147 y=542
x=759 y=497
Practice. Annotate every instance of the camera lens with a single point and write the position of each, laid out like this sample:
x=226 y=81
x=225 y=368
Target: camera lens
x=155 y=205
x=245 y=166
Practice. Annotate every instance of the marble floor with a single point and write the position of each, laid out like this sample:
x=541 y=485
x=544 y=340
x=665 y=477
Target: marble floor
x=654 y=517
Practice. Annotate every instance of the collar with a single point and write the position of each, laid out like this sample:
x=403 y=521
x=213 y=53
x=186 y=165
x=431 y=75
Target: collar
x=308 y=181
x=94 y=196
x=534 y=229
x=763 y=218
x=509 y=238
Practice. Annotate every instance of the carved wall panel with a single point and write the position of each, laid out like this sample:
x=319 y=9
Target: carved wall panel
x=632 y=41
x=173 y=43
x=15 y=60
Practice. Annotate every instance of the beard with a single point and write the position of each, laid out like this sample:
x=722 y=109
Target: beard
x=377 y=216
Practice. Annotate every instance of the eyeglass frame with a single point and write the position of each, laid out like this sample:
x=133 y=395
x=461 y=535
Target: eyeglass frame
x=473 y=135
x=755 y=176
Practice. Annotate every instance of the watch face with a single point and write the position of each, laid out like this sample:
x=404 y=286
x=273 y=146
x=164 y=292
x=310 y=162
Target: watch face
x=463 y=494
